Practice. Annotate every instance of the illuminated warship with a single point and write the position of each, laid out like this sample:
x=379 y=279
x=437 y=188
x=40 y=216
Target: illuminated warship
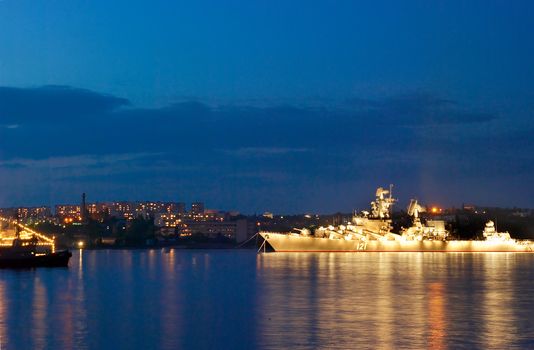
x=372 y=232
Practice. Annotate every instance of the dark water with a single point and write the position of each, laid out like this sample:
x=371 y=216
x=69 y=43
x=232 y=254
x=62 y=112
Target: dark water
x=176 y=299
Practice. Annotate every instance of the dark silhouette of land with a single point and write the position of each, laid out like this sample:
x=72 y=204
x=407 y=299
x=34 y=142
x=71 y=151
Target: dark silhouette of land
x=107 y=231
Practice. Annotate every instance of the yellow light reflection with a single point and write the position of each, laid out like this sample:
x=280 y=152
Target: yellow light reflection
x=436 y=316
x=3 y=312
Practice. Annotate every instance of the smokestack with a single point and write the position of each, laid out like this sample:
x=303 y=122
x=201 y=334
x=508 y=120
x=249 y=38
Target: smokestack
x=83 y=209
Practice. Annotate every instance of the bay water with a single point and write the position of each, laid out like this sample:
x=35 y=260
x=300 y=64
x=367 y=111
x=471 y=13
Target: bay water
x=238 y=299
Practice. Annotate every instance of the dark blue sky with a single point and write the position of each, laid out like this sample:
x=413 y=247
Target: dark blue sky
x=287 y=106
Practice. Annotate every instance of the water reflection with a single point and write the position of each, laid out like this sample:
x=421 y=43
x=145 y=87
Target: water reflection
x=169 y=299
x=80 y=263
x=498 y=301
x=393 y=300
x=436 y=316
x=4 y=301
x=38 y=327
x=171 y=325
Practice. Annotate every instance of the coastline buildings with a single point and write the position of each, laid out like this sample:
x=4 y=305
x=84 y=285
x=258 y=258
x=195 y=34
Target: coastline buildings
x=171 y=219
x=237 y=229
x=197 y=208
x=208 y=223
x=36 y=213
x=29 y=215
x=124 y=210
x=174 y=221
x=68 y=212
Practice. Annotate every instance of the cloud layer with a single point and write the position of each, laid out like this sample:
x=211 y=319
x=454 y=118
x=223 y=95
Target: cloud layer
x=58 y=141
x=53 y=104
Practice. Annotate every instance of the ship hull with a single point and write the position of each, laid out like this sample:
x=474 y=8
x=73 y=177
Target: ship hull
x=57 y=259
x=297 y=243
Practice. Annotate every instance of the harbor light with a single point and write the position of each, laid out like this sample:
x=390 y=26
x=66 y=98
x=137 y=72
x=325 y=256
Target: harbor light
x=435 y=210
x=80 y=244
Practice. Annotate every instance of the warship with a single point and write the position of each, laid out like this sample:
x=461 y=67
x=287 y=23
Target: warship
x=372 y=231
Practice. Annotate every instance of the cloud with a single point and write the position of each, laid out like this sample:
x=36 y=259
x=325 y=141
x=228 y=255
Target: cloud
x=263 y=151
x=418 y=109
x=194 y=133
x=246 y=156
x=193 y=129
x=50 y=104
x=86 y=160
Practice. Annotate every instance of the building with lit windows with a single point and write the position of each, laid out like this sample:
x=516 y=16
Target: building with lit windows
x=34 y=212
x=197 y=208
x=175 y=207
x=123 y=210
x=238 y=230
x=167 y=219
x=68 y=212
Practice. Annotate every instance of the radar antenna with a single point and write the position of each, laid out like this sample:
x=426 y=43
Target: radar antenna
x=380 y=207
x=414 y=208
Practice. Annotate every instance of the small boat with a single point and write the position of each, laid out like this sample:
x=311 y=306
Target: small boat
x=23 y=253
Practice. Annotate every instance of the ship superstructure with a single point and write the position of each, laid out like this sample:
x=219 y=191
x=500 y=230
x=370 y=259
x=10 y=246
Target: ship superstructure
x=431 y=230
x=22 y=247
x=372 y=231
x=490 y=233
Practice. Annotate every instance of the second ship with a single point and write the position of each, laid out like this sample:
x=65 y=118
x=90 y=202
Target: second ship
x=372 y=232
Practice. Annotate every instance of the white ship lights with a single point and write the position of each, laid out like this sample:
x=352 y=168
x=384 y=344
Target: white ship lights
x=376 y=225
x=433 y=230
x=380 y=207
x=26 y=233
x=372 y=231
x=491 y=234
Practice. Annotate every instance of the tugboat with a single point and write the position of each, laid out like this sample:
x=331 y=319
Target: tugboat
x=29 y=252
x=23 y=253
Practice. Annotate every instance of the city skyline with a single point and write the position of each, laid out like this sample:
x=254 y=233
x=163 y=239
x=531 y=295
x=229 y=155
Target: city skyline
x=300 y=107
x=157 y=206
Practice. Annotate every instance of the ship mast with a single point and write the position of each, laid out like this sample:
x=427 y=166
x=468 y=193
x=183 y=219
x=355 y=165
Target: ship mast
x=380 y=207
